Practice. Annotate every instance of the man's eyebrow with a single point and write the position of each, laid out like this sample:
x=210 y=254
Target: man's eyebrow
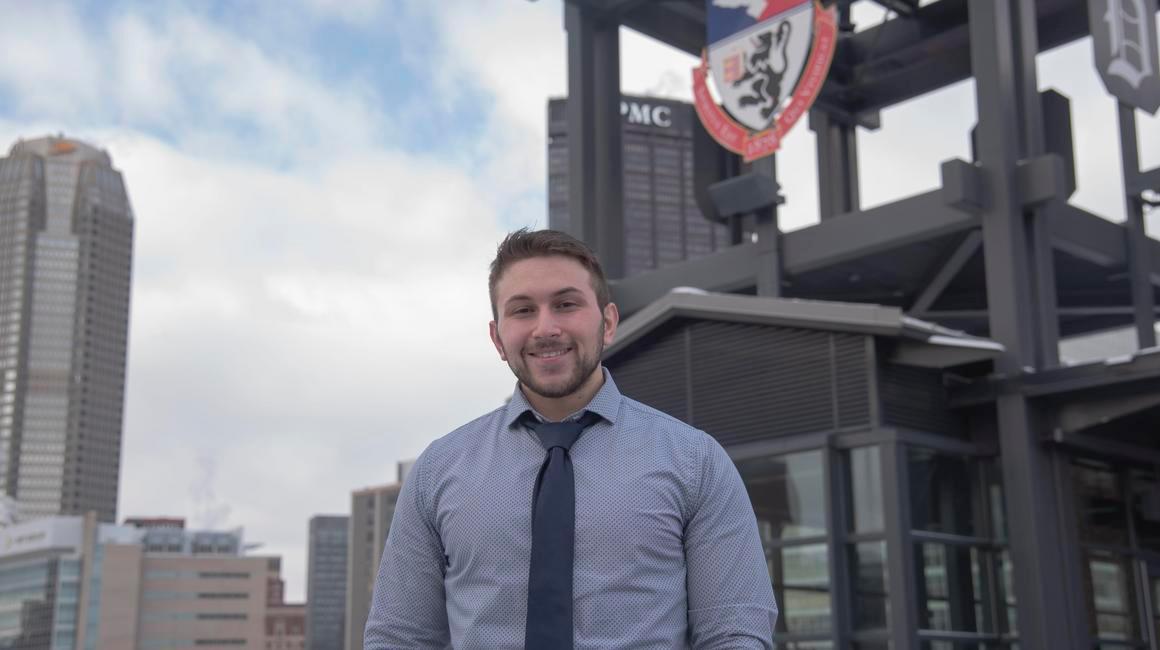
x=555 y=294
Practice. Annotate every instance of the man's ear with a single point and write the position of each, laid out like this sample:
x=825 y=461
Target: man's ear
x=493 y=331
x=611 y=320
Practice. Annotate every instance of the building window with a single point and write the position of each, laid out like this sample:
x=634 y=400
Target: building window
x=1118 y=515
x=962 y=568
x=790 y=500
x=866 y=535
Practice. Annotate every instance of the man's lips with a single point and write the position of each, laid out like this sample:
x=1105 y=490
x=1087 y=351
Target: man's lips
x=547 y=355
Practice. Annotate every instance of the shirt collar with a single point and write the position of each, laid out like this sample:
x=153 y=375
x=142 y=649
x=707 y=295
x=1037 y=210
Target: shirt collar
x=606 y=402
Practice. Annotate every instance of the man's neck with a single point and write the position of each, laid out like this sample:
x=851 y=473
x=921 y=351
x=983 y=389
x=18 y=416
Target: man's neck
x=556 y=409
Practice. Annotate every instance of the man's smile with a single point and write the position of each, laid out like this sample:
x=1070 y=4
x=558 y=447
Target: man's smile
x=550 y=354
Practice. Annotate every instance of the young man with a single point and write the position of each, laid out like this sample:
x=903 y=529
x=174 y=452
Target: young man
x=573 y=516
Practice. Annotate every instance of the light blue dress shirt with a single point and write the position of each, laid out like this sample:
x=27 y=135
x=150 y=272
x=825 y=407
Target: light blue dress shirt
x=667 y=551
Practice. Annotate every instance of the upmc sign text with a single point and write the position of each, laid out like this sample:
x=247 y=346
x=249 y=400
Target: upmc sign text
x=647 y=114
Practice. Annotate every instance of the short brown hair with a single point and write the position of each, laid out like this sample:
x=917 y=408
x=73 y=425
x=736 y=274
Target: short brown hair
x=525 y=244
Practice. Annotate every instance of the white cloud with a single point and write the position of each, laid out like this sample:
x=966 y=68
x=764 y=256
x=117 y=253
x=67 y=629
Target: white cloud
x=306 y=331
x=49 y=59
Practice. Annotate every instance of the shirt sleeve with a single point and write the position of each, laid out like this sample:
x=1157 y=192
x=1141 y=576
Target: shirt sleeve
x=731 y=602
x=408 y=608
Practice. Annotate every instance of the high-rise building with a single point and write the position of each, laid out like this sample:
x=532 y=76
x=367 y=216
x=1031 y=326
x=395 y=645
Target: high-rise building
x=326 y=582
x=71 y=583
x=662 y=223
x=371 y=511
x=66 y=241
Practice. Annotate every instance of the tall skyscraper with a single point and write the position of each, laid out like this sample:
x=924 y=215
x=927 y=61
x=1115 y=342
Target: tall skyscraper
x=326 y=582
x=662 y=223
x=66 y=242
x=371 y=511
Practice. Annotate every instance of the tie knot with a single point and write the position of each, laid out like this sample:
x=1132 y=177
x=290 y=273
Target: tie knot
x=560 y=434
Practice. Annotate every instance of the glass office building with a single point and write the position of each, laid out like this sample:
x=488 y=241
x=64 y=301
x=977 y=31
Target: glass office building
x=66 y=238
x=662 y=223
x=326 y=582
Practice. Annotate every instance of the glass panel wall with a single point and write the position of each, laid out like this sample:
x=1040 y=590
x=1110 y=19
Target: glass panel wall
x=962 y=568
x=1118 y=515
x=866 y=548
x=790 y=501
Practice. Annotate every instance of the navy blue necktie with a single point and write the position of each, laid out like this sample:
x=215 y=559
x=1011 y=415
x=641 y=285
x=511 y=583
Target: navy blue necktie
x=549 y=624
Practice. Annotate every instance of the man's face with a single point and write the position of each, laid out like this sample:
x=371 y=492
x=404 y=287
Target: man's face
x=550 y=329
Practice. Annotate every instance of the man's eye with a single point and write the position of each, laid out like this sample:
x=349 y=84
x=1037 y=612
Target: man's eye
x=568 y=305
x=519 y=311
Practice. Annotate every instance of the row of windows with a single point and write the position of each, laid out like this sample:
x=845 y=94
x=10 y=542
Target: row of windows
x=167 y=642
x=963 y=572
x=190 y=595
x=155 y=617
x=174 y=574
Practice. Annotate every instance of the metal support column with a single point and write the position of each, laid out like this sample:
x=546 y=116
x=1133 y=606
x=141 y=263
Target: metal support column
x=769 y=259
x=837 y=164
x=838 y=554
x=1143 y=299
x=1001 y=81
x=1033 y=145
x=900 y=559
x=595 y=180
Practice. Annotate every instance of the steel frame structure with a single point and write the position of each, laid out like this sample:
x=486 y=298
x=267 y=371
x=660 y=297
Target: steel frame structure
x=997 y=250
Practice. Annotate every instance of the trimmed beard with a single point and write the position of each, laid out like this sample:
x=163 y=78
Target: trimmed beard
x=583 y=370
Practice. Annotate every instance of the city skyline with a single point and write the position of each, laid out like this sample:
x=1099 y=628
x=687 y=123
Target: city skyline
x=317 y=193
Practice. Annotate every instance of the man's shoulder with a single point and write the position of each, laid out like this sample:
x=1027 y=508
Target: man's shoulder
x=638 y=414
x=464 y=436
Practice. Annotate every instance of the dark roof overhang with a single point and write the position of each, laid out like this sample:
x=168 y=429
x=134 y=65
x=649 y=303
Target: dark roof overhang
x=919 y=343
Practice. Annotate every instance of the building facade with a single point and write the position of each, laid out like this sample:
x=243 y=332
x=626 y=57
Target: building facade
x=662 y=223
x=912 y=493
x=72 y=583
x=371 y=511
x=326 y=582
x=66 y=240
x=286 y=627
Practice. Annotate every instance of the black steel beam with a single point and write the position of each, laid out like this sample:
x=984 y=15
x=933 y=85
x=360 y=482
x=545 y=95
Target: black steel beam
x=837 y=146
x=947 y=272
x=1101 y=447
x=1001 y=80
x=727 y=270
x=1149 y=180
x=1143 y=298
x=1063 y=385
x=908 y=57
x=667 y=25
x=617 y=8
x=978 y=316
x=867 y=232
x=837 y=553
x=1080 y=415
x=595 y=179
x=581 y=121
x=1086 y=236
x=900 y=7
x=877 y=67
x=900 y=553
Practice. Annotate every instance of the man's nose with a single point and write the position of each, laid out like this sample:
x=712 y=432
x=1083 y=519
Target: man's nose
x=547 y=324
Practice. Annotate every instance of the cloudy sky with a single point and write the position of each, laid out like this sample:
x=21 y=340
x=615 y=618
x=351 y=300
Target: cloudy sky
x=318 y=187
